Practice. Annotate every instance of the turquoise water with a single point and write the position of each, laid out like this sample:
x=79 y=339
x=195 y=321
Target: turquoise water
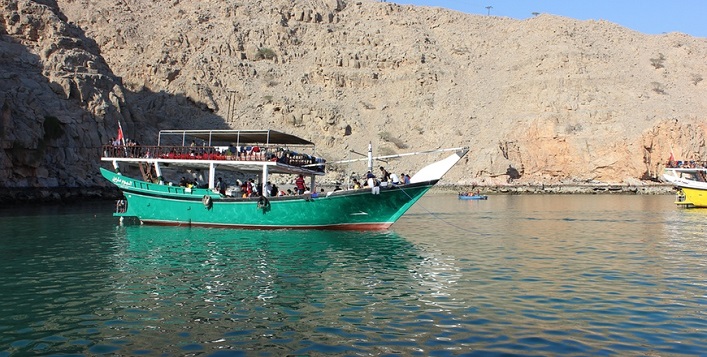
x=514 y=275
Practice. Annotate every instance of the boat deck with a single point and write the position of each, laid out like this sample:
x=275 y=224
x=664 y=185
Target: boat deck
x=246 y=158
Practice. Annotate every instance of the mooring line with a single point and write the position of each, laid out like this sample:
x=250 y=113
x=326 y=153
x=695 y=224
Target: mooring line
x=436 y=217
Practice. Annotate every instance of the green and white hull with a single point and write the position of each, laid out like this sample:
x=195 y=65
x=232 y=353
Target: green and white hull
x=351 y=209
x=255 y=153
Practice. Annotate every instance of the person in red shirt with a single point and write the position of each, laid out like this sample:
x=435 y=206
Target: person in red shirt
x=249 y=187
x=299 y=184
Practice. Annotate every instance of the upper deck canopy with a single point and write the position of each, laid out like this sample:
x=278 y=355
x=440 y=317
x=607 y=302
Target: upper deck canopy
x=237 y=137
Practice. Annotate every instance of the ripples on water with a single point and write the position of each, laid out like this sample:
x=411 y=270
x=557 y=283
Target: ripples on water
x=514 y=275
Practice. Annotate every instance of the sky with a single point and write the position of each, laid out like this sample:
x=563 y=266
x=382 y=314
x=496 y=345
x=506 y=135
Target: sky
x=646 y=16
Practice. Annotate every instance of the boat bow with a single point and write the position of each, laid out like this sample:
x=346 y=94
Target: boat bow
x=436 y=170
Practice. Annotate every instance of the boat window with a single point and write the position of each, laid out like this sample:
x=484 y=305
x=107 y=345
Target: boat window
x=694 y=176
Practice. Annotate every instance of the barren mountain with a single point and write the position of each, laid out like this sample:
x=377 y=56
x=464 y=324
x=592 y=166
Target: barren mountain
x=555 y=99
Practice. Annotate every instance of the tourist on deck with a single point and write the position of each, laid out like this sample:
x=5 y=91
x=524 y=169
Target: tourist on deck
x=244 y=188
x=268 y=189
x=221 y=186
x=374 y=185
x=385 y=176
x=254 y=191
x=249 y=187
x=356 y=184
x=406 y=180
x=299 y=185
x=394 y=179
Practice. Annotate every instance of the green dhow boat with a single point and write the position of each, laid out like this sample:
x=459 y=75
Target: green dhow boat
x=152 y=199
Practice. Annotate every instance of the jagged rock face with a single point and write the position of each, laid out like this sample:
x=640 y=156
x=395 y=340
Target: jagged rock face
x=57 y=97
x=554 y=99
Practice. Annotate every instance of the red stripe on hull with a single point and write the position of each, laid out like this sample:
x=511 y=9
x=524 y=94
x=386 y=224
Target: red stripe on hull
x=338 y=227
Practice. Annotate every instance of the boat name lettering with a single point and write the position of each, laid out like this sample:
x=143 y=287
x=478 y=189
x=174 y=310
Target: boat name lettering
x=120 y=181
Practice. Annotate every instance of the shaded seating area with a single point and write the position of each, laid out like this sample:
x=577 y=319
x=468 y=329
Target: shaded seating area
x=241 y=153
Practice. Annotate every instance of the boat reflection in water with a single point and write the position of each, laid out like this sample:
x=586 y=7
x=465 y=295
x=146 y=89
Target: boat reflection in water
x=280 y=291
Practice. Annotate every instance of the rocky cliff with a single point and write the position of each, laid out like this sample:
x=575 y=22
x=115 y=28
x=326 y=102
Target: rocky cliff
x=544 y=100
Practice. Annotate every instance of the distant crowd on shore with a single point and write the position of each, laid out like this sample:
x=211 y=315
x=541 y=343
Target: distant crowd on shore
x=692 y=164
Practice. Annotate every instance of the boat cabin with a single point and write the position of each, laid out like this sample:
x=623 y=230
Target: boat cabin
x=250 y=153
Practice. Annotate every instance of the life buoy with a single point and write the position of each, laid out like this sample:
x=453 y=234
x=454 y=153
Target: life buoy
x=263 y=202
x=206 y=200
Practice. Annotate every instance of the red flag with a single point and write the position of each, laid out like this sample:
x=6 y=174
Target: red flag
x=671 y=160
x=120 y=132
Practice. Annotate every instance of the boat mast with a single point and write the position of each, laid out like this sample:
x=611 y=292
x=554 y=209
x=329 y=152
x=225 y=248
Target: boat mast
x=264 y=180
x=212 y=174
x=158 y=172
x=370 y=157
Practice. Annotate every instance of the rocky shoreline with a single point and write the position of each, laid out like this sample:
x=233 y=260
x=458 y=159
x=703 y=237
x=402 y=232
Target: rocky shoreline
x=76 y=194
x=646 y=189
x=34 y=195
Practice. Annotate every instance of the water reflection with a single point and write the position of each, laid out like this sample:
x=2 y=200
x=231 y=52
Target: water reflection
x=280 y=284
x=278 y=267
x=541 y=275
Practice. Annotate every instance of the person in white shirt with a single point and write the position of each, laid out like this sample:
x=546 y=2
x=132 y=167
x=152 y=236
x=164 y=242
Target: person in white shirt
x=394 y=179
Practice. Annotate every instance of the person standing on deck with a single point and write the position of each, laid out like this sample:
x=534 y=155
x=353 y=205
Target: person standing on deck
x=373 y=183
x=249 y=188
x=385 y=176
x=299 y=184
x=256 y=188
x=221 y=186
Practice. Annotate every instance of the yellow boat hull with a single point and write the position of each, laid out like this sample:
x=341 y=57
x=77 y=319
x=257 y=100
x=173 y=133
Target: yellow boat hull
x=692 y=197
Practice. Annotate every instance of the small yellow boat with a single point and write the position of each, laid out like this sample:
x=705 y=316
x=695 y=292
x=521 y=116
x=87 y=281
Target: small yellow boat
x=691 y=184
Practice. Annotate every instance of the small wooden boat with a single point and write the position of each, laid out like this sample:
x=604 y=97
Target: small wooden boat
x=474 y=196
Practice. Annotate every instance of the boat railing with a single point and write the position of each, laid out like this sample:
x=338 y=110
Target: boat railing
x=246 y=153
x=691 y=164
